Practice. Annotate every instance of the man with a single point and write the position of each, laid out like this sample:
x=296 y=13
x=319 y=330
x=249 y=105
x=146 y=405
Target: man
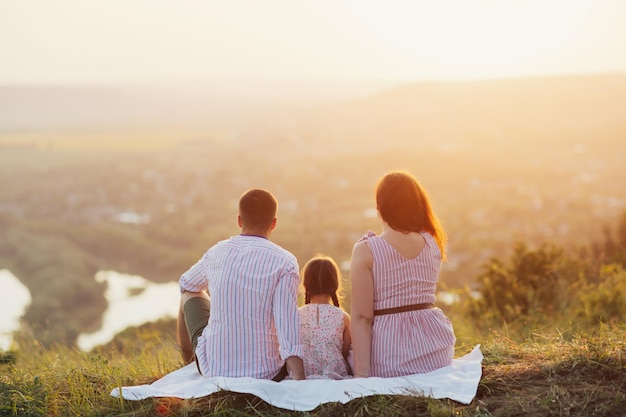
x=239 y=311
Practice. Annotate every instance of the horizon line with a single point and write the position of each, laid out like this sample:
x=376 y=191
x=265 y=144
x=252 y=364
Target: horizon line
x=303 y=81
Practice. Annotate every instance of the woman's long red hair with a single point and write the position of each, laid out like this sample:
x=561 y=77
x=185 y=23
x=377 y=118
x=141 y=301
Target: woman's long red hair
x=404 y=205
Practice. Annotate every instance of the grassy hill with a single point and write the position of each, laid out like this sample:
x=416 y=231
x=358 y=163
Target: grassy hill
x=542 y=376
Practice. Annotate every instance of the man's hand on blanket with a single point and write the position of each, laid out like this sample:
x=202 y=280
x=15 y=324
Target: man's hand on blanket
x=295 y=366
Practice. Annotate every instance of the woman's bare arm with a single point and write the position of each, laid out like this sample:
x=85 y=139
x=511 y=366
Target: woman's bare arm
x=362 y=314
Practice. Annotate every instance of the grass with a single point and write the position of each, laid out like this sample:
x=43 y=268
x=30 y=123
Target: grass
x=584 y=375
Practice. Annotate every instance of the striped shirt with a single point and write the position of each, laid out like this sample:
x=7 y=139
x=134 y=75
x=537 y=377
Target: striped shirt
x=254 y=323
x=411 y=342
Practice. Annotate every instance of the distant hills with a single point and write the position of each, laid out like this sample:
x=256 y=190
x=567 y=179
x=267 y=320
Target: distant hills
x=41 y=108
x=544 y=102
x=24 y=108
x=566 y=102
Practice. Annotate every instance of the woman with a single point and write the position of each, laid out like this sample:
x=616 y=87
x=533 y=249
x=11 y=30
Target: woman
x=396 y=330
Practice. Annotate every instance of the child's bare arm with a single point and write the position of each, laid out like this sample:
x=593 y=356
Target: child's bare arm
x=347 y=336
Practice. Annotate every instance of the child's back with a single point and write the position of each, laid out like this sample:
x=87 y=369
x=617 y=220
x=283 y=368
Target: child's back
x=323 y=328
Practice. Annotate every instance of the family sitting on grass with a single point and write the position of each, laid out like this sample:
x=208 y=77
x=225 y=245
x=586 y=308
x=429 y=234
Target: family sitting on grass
x=239 y=312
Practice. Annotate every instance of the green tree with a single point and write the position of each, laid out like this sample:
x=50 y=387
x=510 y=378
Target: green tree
x=535 y=283
x=604 y=302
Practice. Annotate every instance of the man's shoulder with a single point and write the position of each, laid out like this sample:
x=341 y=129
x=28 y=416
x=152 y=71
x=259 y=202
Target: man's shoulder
x=258 y=244
x=218 y=245
x=286 y=258
x=280 y=251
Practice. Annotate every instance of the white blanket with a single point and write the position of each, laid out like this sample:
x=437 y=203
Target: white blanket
x=457 y=382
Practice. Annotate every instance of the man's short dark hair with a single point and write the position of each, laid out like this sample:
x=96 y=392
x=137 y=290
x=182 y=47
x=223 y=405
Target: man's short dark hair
x=257 y=208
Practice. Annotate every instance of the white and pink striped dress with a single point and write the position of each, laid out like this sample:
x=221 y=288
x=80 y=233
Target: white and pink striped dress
x=410 y=342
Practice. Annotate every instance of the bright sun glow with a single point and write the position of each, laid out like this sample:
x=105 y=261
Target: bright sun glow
x=477 y=38
x=191 y=41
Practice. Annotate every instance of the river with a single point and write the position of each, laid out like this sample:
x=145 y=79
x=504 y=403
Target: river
x=14 y=300
x=133 y=301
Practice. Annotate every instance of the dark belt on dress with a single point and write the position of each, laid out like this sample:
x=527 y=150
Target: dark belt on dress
x=402 y=309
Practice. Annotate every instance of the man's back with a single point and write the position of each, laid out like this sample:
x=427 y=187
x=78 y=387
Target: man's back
x=253 y=286
x=247 y=322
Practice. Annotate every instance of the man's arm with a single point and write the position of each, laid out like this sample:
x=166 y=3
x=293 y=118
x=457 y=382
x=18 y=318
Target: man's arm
x=287 y=321
x=192 y=283
x=295 y=367
x=194 y=280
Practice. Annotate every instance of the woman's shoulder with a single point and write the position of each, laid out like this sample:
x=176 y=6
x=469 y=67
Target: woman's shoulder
x=431 y=242
x=369 y=235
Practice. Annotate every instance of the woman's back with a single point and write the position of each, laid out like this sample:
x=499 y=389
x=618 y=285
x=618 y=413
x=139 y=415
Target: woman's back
x=401 y=281
x=408 y=245
x=405 y=272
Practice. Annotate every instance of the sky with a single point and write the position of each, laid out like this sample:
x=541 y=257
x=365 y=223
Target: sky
x=204 y=42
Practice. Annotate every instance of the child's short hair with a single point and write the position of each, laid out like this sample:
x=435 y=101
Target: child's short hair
x=321 y=275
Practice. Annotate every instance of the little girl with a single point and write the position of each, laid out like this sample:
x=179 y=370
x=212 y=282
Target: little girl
x=325 y=327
